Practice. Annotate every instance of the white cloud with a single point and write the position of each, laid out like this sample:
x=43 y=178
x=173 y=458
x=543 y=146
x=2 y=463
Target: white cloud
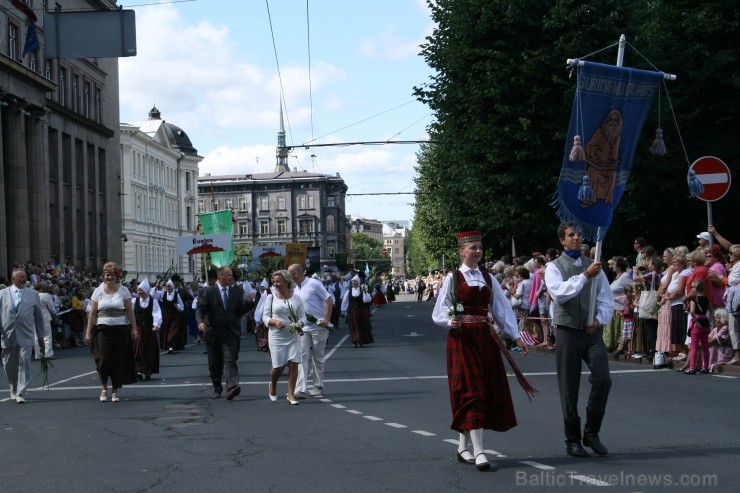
x=389 y=45
x=193 y=75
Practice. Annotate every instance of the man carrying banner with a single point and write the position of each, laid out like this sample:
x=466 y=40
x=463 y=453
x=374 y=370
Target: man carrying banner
x=568 y=279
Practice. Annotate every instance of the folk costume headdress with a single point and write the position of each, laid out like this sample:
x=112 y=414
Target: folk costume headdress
x=468 y=236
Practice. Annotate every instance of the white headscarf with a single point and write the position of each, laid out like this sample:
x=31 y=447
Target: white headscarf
x=264 y=284
x=356 y=278
x=145 y=286
x=170 y=283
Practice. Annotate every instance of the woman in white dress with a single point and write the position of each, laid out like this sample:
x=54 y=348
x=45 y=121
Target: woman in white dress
x=284 y=315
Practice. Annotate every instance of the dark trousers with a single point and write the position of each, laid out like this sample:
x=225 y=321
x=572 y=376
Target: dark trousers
x=222 y=357
x=650 y=325
x=574 y=347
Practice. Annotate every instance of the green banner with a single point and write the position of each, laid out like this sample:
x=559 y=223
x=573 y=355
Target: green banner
x=219 y=222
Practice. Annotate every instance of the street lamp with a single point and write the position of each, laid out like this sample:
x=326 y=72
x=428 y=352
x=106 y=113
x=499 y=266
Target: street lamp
x=358 y=223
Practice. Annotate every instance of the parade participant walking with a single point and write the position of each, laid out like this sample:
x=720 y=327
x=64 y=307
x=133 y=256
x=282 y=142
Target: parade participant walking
x=172 y=313
x=283 y=313
x=218 y=312
x=568 y=280
x=111 y=326
x=22 y=325
x=312 y=344
x=479 y=391
x=148 y=321
x=355 y=304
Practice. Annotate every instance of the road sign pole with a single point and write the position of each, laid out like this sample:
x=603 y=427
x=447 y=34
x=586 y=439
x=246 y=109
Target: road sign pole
x=710 y=220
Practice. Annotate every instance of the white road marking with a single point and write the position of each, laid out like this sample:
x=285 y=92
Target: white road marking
x=352 y=411
x=373 y=418
x=423 y=433
x=589 y=480
x=396 y=425
x=537 y=465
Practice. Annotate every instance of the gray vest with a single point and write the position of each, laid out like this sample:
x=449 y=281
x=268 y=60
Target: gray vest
x=573 y=313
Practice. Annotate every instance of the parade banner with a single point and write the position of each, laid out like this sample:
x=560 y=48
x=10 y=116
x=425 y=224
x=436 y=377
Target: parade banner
x=609 y=110
x=264 y=252
x=295 y=253
x=219 y=222
x=193 y=245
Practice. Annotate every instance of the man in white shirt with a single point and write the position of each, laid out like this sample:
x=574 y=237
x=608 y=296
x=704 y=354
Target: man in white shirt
x=568 y=279
x=318 y=305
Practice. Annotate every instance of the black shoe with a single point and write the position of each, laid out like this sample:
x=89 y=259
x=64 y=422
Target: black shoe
x=592 y=441
x=574 y=449
x=233 y=392
x=217 y=394
x=483 y=465
x=463 y=460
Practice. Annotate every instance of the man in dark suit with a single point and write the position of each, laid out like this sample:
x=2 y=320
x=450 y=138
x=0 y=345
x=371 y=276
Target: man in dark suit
x=218 y=312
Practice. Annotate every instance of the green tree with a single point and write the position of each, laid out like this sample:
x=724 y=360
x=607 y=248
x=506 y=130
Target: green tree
x=369 y=250
x=502 y=97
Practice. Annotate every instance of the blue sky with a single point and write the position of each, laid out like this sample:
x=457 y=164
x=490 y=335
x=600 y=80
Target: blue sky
x=210 y=67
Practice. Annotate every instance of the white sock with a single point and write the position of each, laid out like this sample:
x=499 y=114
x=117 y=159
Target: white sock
x=476 y=436
x=463 y=442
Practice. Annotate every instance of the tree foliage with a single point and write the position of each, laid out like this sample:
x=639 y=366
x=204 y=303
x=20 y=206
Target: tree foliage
x=502 y=96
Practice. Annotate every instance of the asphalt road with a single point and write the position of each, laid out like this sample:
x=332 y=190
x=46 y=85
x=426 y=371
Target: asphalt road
x=382 y=425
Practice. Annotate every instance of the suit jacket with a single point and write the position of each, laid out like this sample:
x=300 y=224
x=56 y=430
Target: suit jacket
x=24 y=327
x=221 y=323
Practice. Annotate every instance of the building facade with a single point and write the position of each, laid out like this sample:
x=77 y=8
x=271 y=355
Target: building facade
x=395 y=242
x=60 y=163
x=159 y=179
x=283 y=206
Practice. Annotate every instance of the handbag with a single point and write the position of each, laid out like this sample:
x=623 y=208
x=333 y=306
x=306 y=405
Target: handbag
x=659 y=360
x=648 y=305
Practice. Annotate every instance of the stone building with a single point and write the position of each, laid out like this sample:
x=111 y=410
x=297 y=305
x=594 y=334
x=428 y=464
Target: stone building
x=60 y=162
x=282 y=207
x=159 y=174
x=395 y=242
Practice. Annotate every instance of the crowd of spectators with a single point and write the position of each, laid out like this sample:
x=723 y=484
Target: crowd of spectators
x=657 y=313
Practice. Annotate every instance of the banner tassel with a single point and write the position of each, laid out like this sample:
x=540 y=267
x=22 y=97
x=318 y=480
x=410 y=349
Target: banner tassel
x=577 y=153
x=658 y=147
x=695 y=186
x=586 y=193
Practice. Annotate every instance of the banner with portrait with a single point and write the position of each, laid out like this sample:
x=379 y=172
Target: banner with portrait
x=609 y=110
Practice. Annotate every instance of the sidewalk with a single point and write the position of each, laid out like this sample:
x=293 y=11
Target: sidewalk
x=730 y=370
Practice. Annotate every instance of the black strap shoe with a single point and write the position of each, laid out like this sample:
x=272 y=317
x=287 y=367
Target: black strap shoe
x=592 y=441
x=574 y=449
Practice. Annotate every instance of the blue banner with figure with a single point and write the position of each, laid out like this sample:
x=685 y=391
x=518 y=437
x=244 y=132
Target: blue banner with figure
x=609 y=110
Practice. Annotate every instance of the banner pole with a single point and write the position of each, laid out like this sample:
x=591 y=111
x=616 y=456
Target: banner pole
x=599 y=239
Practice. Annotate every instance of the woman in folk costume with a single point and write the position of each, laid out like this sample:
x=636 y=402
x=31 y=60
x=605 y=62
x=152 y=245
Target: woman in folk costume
x=148 y=321
x=355 y=306
x=469 y=302
x=172 y=307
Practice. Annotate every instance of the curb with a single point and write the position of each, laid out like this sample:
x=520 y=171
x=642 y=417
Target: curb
x=731 y=370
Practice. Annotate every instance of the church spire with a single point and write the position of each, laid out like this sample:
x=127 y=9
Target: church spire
x=281 y=154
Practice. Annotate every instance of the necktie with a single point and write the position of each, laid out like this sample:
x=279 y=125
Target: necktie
x=18 y=294
x=225 y=296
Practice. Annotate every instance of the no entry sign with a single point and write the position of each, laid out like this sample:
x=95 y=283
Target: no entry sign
x=714 y=174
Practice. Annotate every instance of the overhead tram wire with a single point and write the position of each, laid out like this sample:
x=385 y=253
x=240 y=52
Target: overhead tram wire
x=361 y=121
